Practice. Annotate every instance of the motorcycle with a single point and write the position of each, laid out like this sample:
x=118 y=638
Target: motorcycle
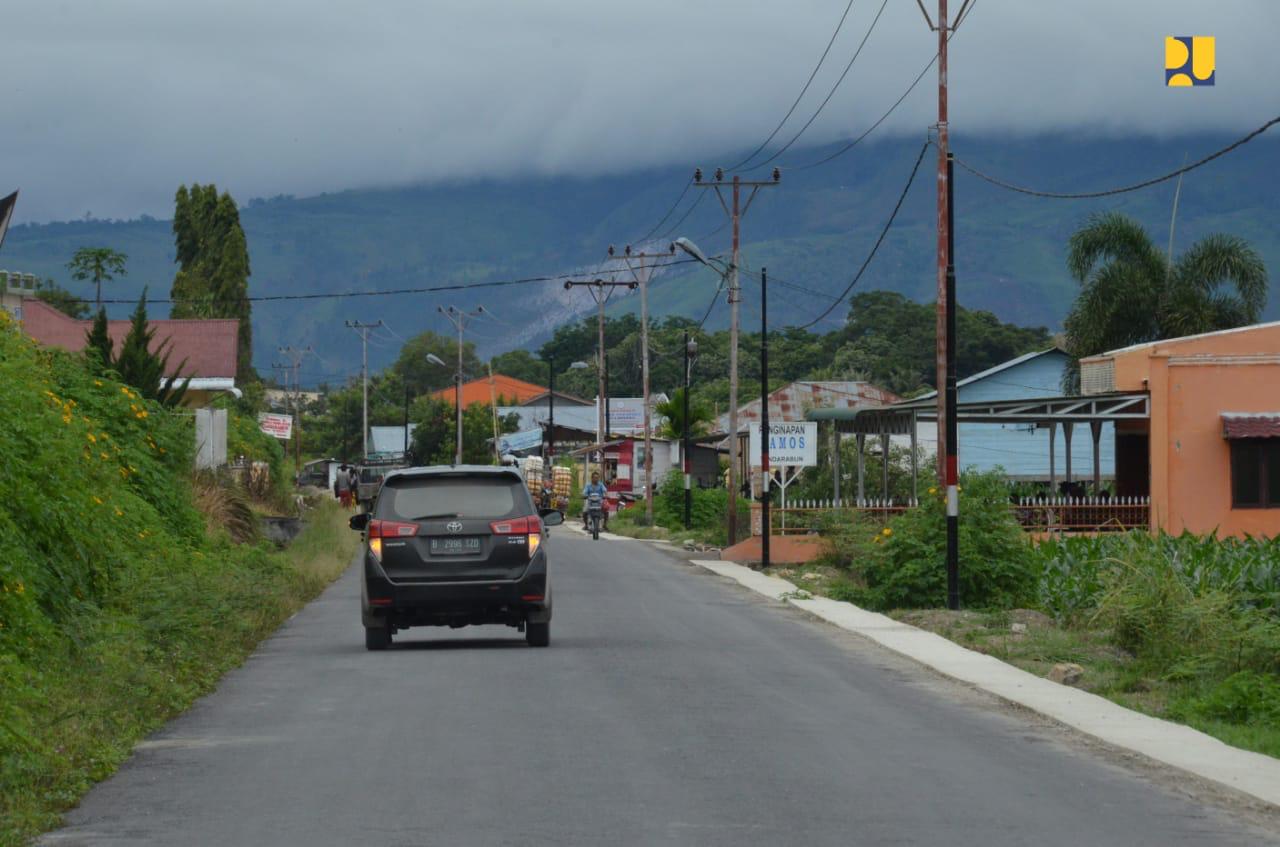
x=595 y=513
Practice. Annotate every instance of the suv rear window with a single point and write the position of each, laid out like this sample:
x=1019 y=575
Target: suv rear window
x=468 y=497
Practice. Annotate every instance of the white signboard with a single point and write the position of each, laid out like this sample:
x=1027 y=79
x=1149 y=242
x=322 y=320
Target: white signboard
x=279 y=426
x=790 y=444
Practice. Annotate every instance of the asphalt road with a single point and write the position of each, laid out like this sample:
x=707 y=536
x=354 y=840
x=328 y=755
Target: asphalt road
x=671 y=708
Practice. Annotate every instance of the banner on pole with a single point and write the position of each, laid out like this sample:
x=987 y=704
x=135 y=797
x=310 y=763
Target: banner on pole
x=277 y=426
x=790 y=445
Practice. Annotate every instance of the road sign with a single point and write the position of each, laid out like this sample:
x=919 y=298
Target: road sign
x=790 y=444
x=278 y=426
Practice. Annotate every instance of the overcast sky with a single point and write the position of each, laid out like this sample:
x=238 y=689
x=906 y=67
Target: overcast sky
x=108 y=105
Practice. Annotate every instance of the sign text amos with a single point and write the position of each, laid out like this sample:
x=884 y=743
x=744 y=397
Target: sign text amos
x=278 y=426
x=790 y=444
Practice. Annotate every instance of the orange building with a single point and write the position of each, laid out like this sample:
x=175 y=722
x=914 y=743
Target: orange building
x=1209 y=454
x=512 y=391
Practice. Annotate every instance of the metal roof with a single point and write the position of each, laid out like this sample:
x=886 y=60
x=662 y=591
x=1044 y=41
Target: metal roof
x=901 y=418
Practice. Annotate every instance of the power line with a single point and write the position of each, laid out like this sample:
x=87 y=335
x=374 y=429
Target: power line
x=887 y=224
x=808 y=82
x=830 y=93
x=1126 y=188
x=272 y=298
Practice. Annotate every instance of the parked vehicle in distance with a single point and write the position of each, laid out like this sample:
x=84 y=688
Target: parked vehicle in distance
x=371 y=473
x=455 y=546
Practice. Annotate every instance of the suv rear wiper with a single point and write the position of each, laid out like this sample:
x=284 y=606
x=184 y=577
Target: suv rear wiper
x=432 y=517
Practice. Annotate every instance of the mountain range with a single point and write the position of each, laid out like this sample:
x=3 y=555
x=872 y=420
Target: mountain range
x=812 y=231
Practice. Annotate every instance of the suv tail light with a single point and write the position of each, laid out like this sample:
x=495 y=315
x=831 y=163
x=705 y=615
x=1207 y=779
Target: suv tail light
x=379 y=530
x=530 y=526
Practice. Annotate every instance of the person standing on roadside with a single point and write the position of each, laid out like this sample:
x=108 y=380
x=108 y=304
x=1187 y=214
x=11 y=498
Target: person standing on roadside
x=342 y=487
x=353 y=483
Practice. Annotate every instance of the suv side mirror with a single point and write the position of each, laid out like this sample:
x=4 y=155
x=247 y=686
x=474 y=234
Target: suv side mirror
x=359 y=522
x=551 y=517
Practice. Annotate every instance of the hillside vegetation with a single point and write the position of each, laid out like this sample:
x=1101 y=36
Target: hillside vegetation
x=118 y=605
x=812 y=231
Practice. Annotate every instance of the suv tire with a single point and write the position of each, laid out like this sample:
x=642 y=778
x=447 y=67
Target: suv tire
x=537 y=634
x=377 y=637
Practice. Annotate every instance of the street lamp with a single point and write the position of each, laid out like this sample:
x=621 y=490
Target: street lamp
x=690 y=350
x=457 y=403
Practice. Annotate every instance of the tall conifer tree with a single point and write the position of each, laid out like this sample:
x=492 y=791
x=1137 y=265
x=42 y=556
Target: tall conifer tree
x=213 y=264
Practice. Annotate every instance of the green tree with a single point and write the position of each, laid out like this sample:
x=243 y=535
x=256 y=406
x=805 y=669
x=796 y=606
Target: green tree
x=62 y=300
x=1132 y=293
x=434 y=436
x=672 y=412
x=144 y=368
x=98 y=342
x=521 y=364
x=421 y=375
x=98 y=265
x=213 y=264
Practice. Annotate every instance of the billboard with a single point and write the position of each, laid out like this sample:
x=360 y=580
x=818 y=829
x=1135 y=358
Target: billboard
x=278 y=426
x=790 y=444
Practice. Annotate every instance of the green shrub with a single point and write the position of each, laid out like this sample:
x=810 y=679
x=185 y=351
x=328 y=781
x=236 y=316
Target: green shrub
x=707 y=510
x=907 y=568
x=1245 y=697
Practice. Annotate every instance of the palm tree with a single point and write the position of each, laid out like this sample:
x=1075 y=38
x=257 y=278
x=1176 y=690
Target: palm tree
x=672 y=412
x=1131 y=292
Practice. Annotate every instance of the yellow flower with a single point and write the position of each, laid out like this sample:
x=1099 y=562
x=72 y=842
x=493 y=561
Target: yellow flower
x=90 y=436
x=886 y=532
x=104 y=436
x=124 y=473
x=21 y=588
x=142 y=535
x=119 y=514
x=98 y=382
x=142 y=414
x=125 y=391
x=933 y=489
x=105 y=456
x=97 y=499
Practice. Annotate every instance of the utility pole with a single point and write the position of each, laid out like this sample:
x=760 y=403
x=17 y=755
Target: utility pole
x=642 y=276
x=601 y=290
x=459 y=319
x=363 y=330
x=294 y=358
x=735 y=296
x=766 y=477
x=944 y=224
x=689 y=347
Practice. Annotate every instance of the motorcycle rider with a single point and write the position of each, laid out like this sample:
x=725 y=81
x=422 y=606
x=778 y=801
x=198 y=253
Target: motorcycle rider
x=594 y=487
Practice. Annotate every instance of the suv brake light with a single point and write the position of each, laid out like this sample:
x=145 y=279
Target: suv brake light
x=379 y=530
x=530 y=526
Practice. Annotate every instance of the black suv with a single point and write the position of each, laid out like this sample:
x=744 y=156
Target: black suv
x=453 y=546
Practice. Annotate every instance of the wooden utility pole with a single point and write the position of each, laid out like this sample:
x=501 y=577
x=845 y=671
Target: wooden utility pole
x=735 y=214
x=294 y=358
x=600 y=290
x=459 y=319
x=362 y=329
x=944 y=237
x=642 y=275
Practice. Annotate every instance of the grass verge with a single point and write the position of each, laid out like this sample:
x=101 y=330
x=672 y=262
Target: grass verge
x=77 y=703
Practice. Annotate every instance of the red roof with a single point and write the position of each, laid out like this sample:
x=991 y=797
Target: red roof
x=208 y=346
x=1251 y=425
x=509 y=388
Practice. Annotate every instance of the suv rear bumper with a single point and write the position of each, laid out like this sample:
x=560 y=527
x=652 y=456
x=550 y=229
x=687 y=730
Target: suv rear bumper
x=405 y=604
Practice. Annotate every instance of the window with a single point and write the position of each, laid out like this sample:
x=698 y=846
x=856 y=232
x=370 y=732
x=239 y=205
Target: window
x=486 y=496
x=1255 y=473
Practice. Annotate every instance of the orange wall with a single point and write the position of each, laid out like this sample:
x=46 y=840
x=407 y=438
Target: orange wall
x=1191 y=462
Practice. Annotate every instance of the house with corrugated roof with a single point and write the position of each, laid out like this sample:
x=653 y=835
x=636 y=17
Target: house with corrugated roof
x=202 y=353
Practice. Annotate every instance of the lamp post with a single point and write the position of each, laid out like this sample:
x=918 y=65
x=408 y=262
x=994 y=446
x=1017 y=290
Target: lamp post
x=457 y=402
x=766 y=476
x=728 y=274
x=690 y=350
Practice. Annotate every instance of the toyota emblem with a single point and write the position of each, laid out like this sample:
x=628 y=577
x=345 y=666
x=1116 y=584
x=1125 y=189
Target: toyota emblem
x=454 y=526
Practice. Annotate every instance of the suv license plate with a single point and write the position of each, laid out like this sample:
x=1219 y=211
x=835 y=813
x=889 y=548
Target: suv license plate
x=467 y=545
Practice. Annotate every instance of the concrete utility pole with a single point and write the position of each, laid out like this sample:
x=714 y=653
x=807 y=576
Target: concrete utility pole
x=362 y=329
x=459 y=319
x=642 y=275
x=944 y=190
x=294 y=358
x=735 y=296
x=601 y=290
